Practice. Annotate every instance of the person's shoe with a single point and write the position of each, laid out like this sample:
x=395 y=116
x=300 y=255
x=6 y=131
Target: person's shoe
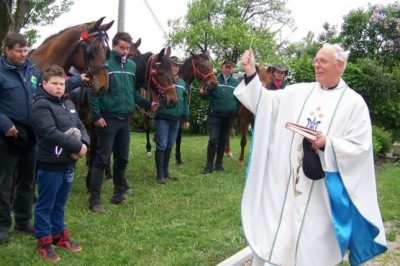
x=161 y=181
x=4 y=237
x=44 y=248
x=24 y=228
x=118 y=200
x=97 y=208
x=63 y=240
x=219 y=168
x=207 y=170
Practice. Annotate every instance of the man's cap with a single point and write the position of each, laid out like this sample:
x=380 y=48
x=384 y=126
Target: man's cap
x=175 y=60
x=280 y=68
x=227 y=62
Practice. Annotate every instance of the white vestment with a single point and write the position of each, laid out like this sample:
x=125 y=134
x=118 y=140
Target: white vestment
x=287 y=218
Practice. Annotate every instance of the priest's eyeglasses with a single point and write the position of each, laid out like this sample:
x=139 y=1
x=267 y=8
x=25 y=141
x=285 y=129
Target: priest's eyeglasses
x=323 y=62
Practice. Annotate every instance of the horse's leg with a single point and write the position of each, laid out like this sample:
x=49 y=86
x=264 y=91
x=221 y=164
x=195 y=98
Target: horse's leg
x=228 y=152
x=243 y=141
x=178 y=156
x=247 y=119
x=148 y=143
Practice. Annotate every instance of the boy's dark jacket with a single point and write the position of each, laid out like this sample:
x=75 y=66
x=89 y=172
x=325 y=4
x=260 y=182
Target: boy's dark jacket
x=51 y=117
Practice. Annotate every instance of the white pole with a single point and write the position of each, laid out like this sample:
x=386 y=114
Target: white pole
x=121 y=16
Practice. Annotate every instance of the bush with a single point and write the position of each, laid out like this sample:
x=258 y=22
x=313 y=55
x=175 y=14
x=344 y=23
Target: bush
x=382 y=141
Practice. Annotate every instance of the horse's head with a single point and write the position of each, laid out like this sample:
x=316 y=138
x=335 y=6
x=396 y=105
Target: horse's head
x=84 y=47
x=134 y=50
x=92 y=54
x=199 y=67
x=161 y=79
x=265 y=75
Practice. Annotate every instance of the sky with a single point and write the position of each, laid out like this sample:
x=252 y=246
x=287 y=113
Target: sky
x=309 y=15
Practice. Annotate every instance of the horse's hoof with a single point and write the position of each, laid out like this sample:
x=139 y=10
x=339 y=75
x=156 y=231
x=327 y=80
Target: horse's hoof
x=229 y=155
x=241 y=163
x=149 y=154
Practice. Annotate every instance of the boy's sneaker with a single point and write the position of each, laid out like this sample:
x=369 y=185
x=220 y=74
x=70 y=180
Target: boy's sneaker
x=63 y=240
x=44 y=248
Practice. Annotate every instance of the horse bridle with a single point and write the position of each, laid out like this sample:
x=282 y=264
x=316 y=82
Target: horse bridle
x=152 y=80
x=203 y=76
x=89 y=53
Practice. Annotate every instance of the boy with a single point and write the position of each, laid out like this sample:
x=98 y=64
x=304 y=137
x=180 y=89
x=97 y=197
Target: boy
x=62 y=140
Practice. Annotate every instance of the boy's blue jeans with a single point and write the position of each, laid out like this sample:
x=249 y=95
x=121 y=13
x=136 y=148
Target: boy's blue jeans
x=53 y=188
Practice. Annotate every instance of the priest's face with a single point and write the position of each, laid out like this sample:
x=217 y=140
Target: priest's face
x=328 y=69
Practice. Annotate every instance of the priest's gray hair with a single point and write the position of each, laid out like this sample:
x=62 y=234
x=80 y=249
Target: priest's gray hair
x=340 y=53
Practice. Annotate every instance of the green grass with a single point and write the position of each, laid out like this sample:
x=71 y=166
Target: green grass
x=192 y=221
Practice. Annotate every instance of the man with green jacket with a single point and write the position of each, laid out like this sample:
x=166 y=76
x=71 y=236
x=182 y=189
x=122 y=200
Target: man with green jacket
x=222 y=109
x=110 y=113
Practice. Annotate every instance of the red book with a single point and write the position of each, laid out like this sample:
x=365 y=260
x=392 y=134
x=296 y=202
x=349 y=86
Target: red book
x=304 y=131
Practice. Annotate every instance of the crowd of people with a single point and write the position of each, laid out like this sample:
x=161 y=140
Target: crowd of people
x=294 y=184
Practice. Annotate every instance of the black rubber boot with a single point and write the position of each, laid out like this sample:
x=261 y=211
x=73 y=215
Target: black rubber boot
x=220 y=157
x=210 y=159
x=119 y=187
x=167 y=157
x=159 y=158
x=96 y=181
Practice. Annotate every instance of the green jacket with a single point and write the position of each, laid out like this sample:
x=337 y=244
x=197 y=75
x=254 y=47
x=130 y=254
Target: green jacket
x=222 y=100
x=181 y=110
x=120 y=99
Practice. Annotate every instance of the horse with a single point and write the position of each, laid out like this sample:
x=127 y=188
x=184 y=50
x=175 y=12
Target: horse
x=245 y=118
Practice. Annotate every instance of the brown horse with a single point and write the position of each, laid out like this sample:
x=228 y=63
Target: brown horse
x=245 y=117
x=196 y=67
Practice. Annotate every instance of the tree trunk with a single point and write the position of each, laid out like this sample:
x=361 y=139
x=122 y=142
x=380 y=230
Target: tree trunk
x=5 y=20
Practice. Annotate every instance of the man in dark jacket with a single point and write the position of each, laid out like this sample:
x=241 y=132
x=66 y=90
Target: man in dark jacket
x=110 y=113
x=222 y=109
x=19 y=80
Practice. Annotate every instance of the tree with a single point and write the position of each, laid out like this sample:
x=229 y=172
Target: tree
x=374 y=33
x=26 y=14
x=227 y=28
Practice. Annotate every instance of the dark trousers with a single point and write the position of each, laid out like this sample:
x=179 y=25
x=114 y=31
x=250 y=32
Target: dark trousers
x=25 y=164
x=220 y=127
x=115 y=138
x=53 y=188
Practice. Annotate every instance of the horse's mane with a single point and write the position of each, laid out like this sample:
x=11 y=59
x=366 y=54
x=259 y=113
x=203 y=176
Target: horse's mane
x=141 y=65
x=56 y=34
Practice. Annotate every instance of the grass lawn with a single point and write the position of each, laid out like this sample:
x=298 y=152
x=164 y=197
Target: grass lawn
x=192 y=221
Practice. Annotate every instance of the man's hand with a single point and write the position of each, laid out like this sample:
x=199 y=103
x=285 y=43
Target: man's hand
x=154 y=106
x=12 y=132
x=202 y=91
x=186 y=125
x=100 y=122
x=248 y=62
x=84 y=77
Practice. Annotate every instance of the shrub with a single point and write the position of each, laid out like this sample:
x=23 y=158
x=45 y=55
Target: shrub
x=382 y=140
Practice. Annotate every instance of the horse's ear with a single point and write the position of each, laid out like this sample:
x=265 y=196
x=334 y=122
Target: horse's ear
x=107 y=26
x=98 y=23
x=168 y=52
x=160 y=55
x=137 y=43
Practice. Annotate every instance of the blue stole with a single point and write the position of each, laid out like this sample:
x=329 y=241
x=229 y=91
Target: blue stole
x=353 y=231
